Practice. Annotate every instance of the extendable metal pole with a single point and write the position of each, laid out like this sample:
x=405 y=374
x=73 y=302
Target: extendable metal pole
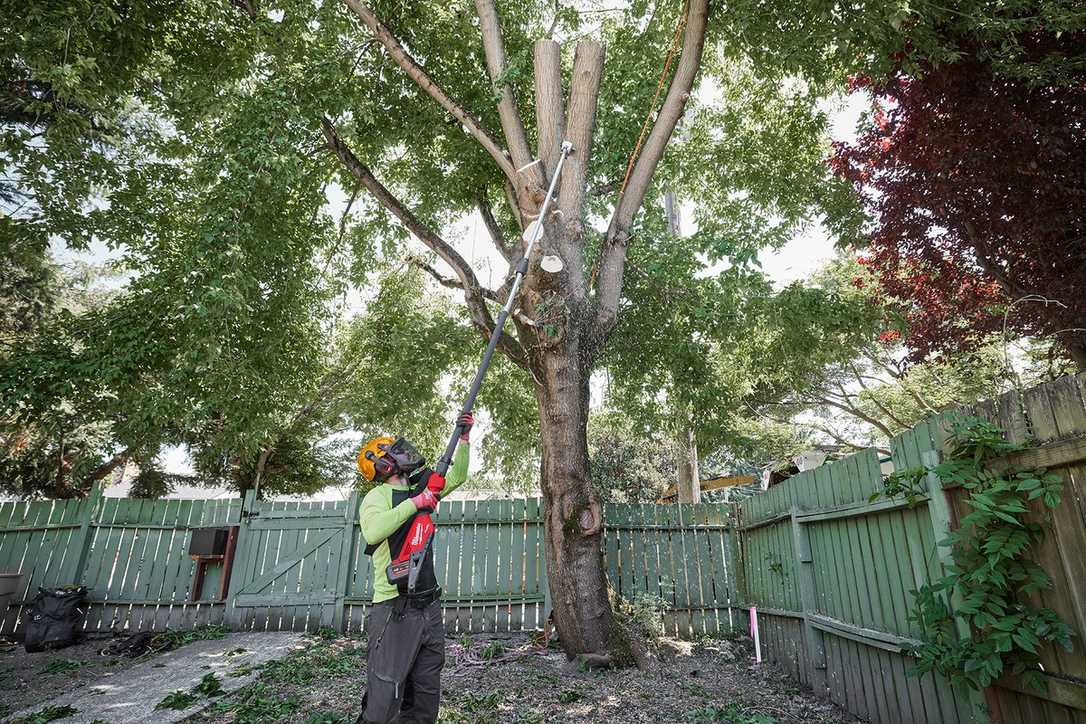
x=445 y=462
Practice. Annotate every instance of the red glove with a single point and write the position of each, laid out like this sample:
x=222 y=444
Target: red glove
x=464 y=422
x=435 y=483
x=425 y=500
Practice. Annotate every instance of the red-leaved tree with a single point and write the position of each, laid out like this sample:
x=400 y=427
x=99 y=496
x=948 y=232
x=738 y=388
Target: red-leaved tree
x=976 y=187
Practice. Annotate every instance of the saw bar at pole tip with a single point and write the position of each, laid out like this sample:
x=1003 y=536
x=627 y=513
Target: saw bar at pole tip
x=551 y=264
x=567 y=148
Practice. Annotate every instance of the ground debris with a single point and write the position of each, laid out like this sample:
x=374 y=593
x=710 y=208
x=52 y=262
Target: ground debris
x=492 y=679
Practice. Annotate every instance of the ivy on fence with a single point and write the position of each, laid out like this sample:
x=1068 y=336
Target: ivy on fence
x=991 y=581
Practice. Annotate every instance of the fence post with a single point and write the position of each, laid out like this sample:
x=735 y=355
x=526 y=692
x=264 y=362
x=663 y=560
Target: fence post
x=940 y=512
x=741 y=596
x=233 y=616
x=816 y=649
x=80 y=543
x=346 y=552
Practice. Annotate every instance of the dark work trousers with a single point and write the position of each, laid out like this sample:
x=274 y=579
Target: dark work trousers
x=404 y=662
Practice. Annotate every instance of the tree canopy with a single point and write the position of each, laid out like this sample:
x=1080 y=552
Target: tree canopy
x=187 y=137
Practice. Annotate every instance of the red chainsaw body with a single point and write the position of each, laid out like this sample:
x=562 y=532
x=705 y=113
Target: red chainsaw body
x=408 y=560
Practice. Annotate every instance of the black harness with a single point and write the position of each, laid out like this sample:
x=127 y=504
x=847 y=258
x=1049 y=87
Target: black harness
x=426 y=586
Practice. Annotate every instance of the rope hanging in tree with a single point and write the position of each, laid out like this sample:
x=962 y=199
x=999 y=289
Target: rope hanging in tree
x=648 y=117
x=656 y=96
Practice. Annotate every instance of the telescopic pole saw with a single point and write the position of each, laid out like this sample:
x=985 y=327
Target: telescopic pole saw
x=532 y=233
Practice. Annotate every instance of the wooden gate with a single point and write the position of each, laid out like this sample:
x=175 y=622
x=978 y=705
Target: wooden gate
x=292 y=566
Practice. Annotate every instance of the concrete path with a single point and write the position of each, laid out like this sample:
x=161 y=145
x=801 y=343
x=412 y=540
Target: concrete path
x=130 y=696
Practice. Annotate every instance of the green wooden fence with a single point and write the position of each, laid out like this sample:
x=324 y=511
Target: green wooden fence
x=133 y=554
x=832 y=575
x=300 y=565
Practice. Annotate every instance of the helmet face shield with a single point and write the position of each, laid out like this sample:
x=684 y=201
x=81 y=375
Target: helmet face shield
x=405 y=456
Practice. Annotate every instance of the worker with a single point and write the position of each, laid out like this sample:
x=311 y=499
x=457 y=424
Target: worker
x=405 y=628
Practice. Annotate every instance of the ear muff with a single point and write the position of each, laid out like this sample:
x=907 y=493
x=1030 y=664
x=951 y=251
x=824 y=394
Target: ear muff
x=372 y=460
x=383 y=466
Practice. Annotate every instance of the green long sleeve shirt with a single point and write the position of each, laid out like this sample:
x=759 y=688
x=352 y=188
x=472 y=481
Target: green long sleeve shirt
x=379 y=519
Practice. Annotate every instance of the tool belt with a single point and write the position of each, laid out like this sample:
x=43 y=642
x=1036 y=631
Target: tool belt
x=418 y=600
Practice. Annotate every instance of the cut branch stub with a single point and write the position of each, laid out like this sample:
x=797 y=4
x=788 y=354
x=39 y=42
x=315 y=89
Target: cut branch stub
x=588 y=520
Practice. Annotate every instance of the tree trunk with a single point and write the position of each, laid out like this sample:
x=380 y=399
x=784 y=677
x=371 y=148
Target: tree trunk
x=689 y=487
x=573 y=516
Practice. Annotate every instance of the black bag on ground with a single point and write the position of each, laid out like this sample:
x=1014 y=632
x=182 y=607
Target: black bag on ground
x=54 y=618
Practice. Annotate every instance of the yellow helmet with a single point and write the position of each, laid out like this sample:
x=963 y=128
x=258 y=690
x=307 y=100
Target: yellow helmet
x=371 y=452
x=385 y=456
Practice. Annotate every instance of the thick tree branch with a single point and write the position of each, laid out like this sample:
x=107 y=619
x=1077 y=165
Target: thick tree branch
x=855 y=412
x=550 y=116
x=875 y=400
x=905 y=385
x=514 y=208
x=580 y=129
x=248 y=6
x=109 y=466
x=512 y=126
x=490 y=294
x=992 y=268
x=584 y=87
x=473 y=291
x=613 y=254
x=451 y=283
x=417 y=74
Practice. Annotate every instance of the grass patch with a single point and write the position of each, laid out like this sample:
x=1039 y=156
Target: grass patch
x=493 y=650
x=473 y=708
x=481 y=703
x=323 y=660
x=257 y=703
x=178 y=700
x=327 y=717
x=209 y=687
x=326 y=633
x=319 y=661
x=47 y=714
x=63 y=666
x=168 y=640
x=528 y=716
x=568 y=696
x=695 y=689
x=241 y=670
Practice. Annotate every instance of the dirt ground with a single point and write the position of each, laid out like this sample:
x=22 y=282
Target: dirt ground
x=26 y=678
x=489 y=679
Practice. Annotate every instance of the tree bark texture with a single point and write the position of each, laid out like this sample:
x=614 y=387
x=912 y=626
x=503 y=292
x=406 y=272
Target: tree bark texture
x=1077 y=349
x=572 y=512
x=689 y=487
